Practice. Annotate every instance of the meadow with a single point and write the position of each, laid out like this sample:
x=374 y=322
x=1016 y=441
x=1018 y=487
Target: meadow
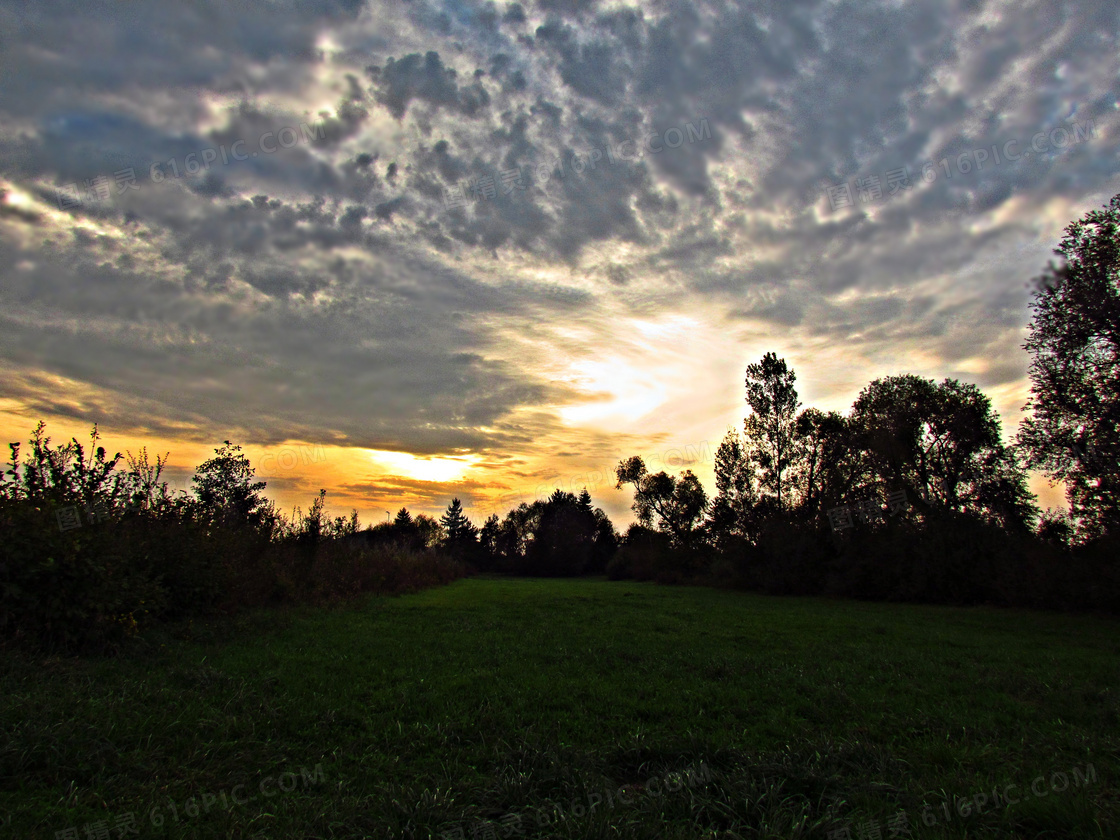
x=574 y=708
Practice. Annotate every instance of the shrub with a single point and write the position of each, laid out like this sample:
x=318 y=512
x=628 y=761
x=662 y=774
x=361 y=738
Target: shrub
x=141 y=555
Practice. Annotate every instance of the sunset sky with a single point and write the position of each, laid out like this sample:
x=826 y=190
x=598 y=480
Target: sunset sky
x=422 y=261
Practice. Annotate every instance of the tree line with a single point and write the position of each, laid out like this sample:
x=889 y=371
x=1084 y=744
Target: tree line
x=913 y=494
x=910 y=495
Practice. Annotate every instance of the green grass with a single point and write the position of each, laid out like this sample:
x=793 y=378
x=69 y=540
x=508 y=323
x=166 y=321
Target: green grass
x=485 y=699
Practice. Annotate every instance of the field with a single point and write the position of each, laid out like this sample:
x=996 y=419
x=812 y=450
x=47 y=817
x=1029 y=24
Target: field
x=520 y=708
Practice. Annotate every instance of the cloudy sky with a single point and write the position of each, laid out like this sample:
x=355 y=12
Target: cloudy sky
x=409 y=250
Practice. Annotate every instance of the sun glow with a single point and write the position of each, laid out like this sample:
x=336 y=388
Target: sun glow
x=615 y=390
x=422 y=469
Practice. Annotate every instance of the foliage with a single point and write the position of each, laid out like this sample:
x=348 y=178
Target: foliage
x=1073 y=433
x=226 y=491
x=314 y=526
x=644 y=554
x=94 y=555
x=967 y=532
x=564 y=538
x=770 y=429
x=459 y=529
x=941 y=443
x=677 y=503
x=64 y=582
x=830 y=460
x=561 y=536
x=732 y=519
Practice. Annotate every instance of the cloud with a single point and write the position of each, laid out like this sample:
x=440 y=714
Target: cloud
x=331 y=288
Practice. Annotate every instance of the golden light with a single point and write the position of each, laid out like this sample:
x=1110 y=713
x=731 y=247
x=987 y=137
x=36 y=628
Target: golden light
x=422 y=469
x=626 y=392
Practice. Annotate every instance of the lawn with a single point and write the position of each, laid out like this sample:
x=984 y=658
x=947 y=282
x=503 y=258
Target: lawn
x=519 y=708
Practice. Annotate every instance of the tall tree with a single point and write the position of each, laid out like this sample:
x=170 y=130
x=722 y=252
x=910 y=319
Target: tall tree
x=459 y=529
x=488 y=539
x=942 y=444
x=770 y=427
x=1073 y=433
x=733 y=514
x=830 y=461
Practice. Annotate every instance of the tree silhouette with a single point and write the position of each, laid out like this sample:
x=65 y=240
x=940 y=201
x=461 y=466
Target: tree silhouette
x=564 y=537
x=459 y=529
x=941 y=443
x=1073 y=433
x=585 y=500
x=225 y=488
x=830 y=460
x=429 y=529
x=733 y=512
x=770 y=427
x=677 y=503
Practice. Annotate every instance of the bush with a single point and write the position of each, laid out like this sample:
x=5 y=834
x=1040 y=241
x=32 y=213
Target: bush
x=125 y=553
x=645 y=554
x=789 y=558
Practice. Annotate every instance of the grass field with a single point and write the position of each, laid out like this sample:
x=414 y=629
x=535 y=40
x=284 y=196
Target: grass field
x=507 y=708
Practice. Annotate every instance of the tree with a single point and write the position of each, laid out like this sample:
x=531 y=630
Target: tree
x=606 y=542
x=314 y=526
x=309 y=528
x=770 y=427
x=226 y=491
x=406 y=531
x=488 y=539
x=732 y=517
x=585 y=500
x=677 y=503
x=515 y=536
x=459 y=529
x=1073 y=433
x=830 y=460
x=564 y=537
x=942 y=444
x=431 y=532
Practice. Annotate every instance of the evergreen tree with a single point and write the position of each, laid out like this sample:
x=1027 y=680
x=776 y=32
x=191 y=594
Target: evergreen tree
x=459 y=528
x=564 y=536
x=585 y=500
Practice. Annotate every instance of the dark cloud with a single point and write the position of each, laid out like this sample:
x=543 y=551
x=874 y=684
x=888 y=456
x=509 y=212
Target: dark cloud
x=332 y=286
x=425 y=78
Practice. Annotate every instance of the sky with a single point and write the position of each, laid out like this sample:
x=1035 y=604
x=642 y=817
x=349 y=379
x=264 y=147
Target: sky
x=405 y=251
